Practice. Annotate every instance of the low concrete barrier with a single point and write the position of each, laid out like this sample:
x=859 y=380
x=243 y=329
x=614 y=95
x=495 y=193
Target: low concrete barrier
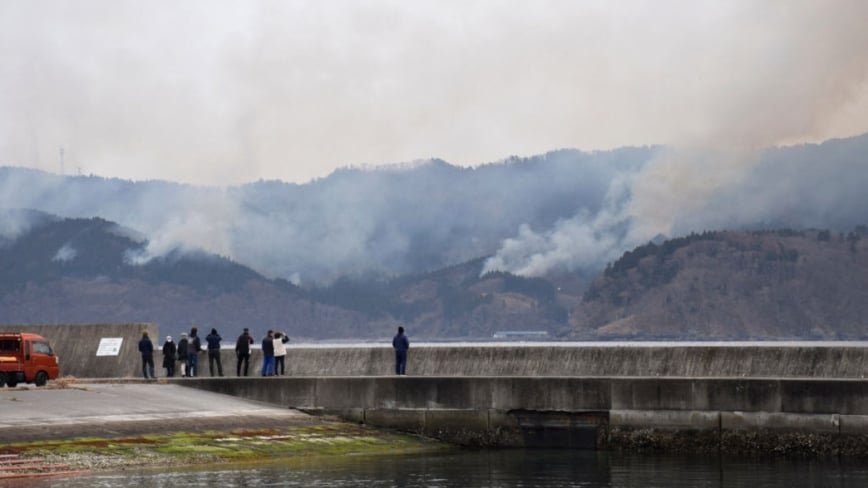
x=819 y=415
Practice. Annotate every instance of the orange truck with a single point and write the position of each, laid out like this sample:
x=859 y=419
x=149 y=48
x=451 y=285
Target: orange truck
x=26 y=358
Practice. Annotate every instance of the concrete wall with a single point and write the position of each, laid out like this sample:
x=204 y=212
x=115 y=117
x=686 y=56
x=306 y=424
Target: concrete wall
x=710 y=414
x=771 y=360
x=76 y=346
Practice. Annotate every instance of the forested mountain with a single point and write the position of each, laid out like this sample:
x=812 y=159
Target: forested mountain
x=89 y=270
x=563 y=211
x=784 y=284
x=649 y=242
x=734 y=285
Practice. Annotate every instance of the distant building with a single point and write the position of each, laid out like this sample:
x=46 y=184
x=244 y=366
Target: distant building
x=521 y=334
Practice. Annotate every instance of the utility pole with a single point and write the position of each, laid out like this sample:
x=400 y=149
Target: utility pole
x=61 y=161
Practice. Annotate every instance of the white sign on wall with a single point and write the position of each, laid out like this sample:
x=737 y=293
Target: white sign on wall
x=109 y=346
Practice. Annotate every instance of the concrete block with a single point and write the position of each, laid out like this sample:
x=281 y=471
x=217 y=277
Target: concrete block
x=854 y=424
x=848 y=397
x=441 y=392
x=753 y=421
x=501 y=419
x=549 y=393
x=451 y=423
x=659 y=394
x=666 y=419
x=400 y=419
x=744 y=394
x=341 y=393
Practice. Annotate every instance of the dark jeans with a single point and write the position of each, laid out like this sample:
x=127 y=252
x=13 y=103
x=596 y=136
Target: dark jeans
x=243 y=357
x=279 y=365
x=148 y=365
x=400 y=362
x=214 y=355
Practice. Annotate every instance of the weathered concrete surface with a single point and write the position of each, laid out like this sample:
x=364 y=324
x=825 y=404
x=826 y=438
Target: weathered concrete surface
x=690 y=360
x=112 y=410
x=557 y=394
x=76 y=347
x=705 y=414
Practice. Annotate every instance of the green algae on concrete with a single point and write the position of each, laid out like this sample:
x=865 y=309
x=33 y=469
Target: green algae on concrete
x=232 y=446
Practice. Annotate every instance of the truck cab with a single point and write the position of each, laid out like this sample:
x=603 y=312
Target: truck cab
x=26 y=358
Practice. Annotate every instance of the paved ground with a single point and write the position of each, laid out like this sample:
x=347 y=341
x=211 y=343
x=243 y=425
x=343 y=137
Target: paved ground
x=110 y=410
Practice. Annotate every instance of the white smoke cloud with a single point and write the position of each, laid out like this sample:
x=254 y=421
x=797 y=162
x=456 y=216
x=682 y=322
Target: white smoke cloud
x=66 y=253
x=788 y=77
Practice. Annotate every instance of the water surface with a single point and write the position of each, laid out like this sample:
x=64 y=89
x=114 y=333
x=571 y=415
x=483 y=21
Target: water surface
x=499 y=468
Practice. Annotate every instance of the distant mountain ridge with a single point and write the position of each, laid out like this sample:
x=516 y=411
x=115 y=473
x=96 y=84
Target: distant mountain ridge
x=85 y=270
x=787 y=284
x=565 y=210
x=439 y=248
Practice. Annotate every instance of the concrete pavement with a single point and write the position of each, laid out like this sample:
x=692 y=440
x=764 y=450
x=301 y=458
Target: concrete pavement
x=111 y=410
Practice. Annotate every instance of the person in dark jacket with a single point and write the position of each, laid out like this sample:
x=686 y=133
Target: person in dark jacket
x=182 y=354
x=194 y=345
x=213 y=339
x=242 y=351
x=146 y=347
x=169 y=350
x=268 y=354
x=401 y=344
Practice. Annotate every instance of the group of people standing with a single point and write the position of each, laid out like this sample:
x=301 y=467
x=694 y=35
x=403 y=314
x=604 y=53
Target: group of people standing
x=187 y=350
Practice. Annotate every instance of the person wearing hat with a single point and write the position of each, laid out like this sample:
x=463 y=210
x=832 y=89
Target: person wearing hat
x=146 y=347
x=169 y=350
x=242 y=351
x=182 y=354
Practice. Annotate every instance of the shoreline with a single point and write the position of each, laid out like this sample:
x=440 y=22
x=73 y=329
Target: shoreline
x=238 y=446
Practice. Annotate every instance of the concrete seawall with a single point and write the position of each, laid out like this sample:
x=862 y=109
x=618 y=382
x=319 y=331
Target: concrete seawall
x=77 y=344
x=732 y=360
x=705 y=414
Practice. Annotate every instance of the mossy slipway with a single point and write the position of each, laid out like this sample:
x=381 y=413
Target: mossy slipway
x=286 y=444
x=117 y=426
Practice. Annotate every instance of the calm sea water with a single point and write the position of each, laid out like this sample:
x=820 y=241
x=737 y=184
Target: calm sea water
x=501 y=468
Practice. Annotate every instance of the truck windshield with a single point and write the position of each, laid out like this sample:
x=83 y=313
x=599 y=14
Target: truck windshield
x=42 y=348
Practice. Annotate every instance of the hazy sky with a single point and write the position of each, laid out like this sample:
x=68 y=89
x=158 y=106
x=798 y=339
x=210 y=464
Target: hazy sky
x=223 y=92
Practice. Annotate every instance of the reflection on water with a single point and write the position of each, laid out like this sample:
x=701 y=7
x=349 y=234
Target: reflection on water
x=501 y=468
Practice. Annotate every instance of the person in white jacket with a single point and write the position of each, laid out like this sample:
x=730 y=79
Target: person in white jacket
x=280 y=340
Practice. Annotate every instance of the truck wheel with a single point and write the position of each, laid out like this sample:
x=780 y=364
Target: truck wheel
x=2 y=380
x=11 y=381
x=41 y=378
